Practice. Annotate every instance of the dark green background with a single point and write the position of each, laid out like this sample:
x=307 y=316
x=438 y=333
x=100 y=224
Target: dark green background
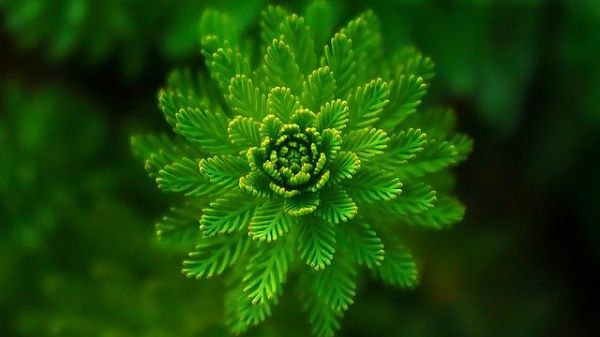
x=77 y=251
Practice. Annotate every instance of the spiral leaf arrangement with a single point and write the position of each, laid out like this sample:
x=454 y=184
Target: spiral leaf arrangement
x=306 y=156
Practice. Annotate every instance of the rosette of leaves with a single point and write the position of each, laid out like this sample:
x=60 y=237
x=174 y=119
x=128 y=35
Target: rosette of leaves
x=305 y=160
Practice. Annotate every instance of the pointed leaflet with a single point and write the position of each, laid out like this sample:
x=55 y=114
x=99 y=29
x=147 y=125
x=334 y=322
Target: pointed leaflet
x=415 y=198
x=158 y=151
x=302 y=204
x=370 y=185
x=282 y=103
x=405 y=96
x=267 y=271
x=228 y=214
x=362 y=244
x=225 y=170
x=318 y=88
x=331 y=142
x=179 y=228
x=435 y=157
x=207 y=129
x=344 y=166
x=366 y=143
x=183 y=176
x=367 y=102
x=445 y=213
x=403 y=147
x=297 y=34
x=182 y=92
x=438 y=122
x=280 y=67
x=325 y=320
x=336 y=206
x=336 y=285
x=398 y=267
x=409 y=61
x=213 y=255
x=271 y=221
x=340 y=59
x=333 y=115
x=316 y=242
x=224 y=61
x=364 y=32
x=240 y=313
x=270 y=24
x=245 y=98
x=244 y=131
x=304 y=118
x=256 y=183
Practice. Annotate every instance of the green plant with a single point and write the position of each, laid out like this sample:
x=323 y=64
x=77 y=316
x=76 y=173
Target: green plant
x=302 y=162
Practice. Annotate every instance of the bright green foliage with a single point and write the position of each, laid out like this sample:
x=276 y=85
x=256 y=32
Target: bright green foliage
x=304 y=161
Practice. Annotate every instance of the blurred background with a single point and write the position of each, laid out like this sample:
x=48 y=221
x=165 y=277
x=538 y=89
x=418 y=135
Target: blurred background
x=78 y=255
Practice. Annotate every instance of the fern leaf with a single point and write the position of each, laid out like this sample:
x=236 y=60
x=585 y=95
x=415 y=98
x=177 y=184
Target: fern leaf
x=227 y=214
x=336 y=206
x=438 y=123
x=280 y=67
x=271 y=19
x=320 y=17
x=221 y=25
x=445 y=213
x=244 y=131
x=398 y=268
x=245 y=99
x=183 y=176
x=340 y=59
x=207 y=129
x=303 y=204
x=371 y=185
x=240 y=313
x=225 y=170
x=463 y=145
x=213 y=255
x=318 y=88
x=403 y=147
x=405 y=94
x=331 y=142
x=336 y=285
x=282 y=103
x=325 y=321
x=364 y=32
x=409 y=61
x=414 y=199
x=333 y=115
x=362 y=244
x=267 y=272
x=179 y=228
x=225 y=62
x=435 y=157
x=344 y=166
x=271 y=221
x=304 y=118
x=316 y=242
x=297 y=34
x=366 y=143
x=367 y=103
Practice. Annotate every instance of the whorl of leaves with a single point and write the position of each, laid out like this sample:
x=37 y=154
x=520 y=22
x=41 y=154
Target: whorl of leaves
x=306 y=160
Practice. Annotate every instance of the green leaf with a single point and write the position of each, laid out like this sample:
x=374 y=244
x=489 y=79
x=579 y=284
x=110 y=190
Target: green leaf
x=325 y=321
x=364 y=32
x=415 y=198
x=282 y=103
x=405 y=96
x=225 y=170
x=302 y=204
x=331 y=142
x=240 y=313
x=438 y=122
x=256 y=184
x=366 y=143
x=207 y=129
x=409 y=61
x=245 y=99
x=182 y=92
x=225 y=62
x=318 y=88
x=219 y=24
x=339 y=56
x=371 y=185
x=157 y=151
x=270 y=24
x=316 y=242
x=336 y=206
x=344 y=166
x=280 y=67
x=267 y=272
x=336 y=285
x=228 y=214
x=179 y=228
x=435 y=157
x=445 y=213
x=399 y=268
x=213 y=255
x=403 y=147
x=367 y=102
x=304 y=118
x=463 y=145
x=297 y=34
x=183 y=176
x=362 y=244
x=271 y=221
x=320 y=17
x=244 y=131
x=333 y=115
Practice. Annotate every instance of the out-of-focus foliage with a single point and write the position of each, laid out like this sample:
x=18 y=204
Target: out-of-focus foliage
x=94 y=31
